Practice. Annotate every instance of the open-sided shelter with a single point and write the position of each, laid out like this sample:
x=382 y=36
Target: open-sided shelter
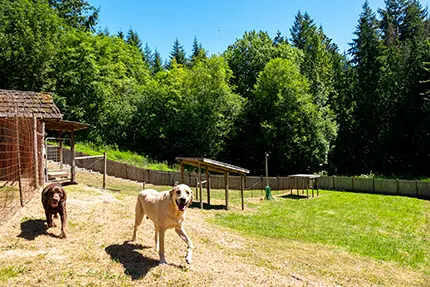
x=25 y=116
x=214 y=166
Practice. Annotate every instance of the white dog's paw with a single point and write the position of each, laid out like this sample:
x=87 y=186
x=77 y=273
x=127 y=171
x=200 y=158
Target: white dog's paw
x=189 y=258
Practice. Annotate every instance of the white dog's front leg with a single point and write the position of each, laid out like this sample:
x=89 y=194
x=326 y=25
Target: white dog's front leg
x=181 y=232
x=161 y=232
x=157 y=248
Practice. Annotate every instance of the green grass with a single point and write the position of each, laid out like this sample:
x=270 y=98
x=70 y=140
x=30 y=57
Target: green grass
x=7 y=272
x=388 y=228
x=124 y=156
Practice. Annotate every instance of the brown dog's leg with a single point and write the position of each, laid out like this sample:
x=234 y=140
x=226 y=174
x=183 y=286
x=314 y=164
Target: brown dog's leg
x=63 y=216
x=49 y=221
x=161 y=232
x=181 y=232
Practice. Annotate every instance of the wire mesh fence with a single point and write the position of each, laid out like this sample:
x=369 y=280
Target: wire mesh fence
x=20 y=162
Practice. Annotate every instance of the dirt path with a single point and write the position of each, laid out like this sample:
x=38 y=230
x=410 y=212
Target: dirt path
x=96 y=252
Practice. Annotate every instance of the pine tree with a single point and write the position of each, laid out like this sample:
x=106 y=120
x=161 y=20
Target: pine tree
x=178 y=53
x=198 y=52
x=120 y=35
x=157 y=65
x=147 y=55
x=279 y=39
x=77 y=13
x=134 y=39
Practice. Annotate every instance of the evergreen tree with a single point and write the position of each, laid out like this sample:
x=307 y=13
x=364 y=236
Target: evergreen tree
x=133 y=39
x=77 y=13
x=177 y=53
x=120 y=35
x=279 y=39
x=148 y=56
x=157 y=65
x=198 y=53
x=366 y=53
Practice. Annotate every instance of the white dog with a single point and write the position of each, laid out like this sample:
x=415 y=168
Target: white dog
x=167 y=210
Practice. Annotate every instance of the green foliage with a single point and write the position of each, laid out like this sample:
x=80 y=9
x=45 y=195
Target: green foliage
x=7 y=272
x=177 y=55
x=292 y=126
x=76 y=13
x=386 y=228
x=29 y=36
x=128 y=157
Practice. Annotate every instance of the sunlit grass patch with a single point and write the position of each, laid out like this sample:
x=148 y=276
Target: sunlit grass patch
x=383 y=227
x=7 y=272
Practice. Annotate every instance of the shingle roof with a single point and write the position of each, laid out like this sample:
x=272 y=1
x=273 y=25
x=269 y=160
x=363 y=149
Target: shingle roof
x=28 y=104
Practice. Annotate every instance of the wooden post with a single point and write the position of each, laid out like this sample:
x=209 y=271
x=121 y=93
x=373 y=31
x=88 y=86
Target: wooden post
x=297 y=185
x=334 y=182
x=149 y=175
x=317 y=187
x=416 y=185
x=44 y=156
x=373 y=185
x=277 y=183
x=352 y=179
x=313 y=185
x=241 y=190
x=60 y=149
x=397 y=183
x=197 y=188
x=200 y=186
x=307 y=187
x=182 y=172
x=208 y=186
x=18 y=152
x=104 y=170
x=226 y=189
x=36 y=156
x=72 y=149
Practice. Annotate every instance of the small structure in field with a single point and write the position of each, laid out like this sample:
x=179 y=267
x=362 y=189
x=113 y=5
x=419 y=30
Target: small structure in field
x=214 y=166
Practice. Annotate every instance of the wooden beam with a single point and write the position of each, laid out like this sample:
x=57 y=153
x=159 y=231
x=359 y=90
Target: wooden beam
x=44 y=156
x=226 y=189
x=60 y=148
x=104 y=170
x=18 y=152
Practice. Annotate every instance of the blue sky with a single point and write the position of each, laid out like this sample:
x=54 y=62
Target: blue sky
x=217 y=24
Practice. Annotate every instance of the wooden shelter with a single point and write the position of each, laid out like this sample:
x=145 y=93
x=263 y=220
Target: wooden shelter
x=214 y=166
x=305 y=180
x=31 y=114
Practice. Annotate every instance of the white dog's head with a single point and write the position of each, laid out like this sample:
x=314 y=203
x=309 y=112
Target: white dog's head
x=182 y=196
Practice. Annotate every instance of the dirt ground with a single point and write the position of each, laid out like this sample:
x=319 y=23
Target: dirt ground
x=97 y=253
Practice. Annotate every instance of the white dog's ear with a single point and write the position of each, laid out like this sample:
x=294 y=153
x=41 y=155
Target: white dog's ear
x=172 y=191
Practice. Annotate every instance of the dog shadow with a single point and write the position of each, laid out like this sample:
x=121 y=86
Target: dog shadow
x=135 y=264
x=32 y=228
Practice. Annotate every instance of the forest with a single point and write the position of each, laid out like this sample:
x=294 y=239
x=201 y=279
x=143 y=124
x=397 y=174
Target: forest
x=296 y=96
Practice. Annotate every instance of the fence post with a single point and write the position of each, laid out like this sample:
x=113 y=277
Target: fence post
x=416 y=185
x=352 y=178
x=18 y=151
x=104 y=170
x=149 y=176
x=398 y=187
x=373 y=184
x=35 y=151
x=277 y=183
x=334 y=182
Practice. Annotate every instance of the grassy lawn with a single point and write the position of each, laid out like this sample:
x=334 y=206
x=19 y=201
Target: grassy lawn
x=388 y=228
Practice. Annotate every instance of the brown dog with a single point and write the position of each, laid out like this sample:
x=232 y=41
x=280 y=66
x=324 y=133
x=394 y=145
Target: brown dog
x=54 y=202
x=166 y=210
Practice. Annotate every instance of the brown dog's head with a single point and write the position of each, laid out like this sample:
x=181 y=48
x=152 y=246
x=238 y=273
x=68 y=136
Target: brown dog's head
x=182 y=196
x=55 y=196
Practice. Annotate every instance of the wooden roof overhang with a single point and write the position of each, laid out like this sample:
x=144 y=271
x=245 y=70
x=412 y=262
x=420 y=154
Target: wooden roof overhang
x=64 y=126
x=212 y=165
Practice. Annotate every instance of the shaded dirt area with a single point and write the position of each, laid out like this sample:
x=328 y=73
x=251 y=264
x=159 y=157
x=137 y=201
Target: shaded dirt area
x=97 y=253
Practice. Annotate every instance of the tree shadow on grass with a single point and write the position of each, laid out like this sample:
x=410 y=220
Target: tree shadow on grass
x=293 y=196
x=196 y=204
x=135 y=264
x=32 y=228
